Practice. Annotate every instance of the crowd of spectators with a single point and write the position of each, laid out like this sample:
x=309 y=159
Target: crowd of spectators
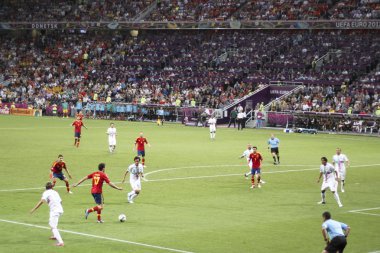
x=186 y=10
x=191 y=68
x=71 y=10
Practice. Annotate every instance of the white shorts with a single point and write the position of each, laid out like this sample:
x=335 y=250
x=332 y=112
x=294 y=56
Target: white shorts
x=112 y=141
x=342 y=173
x=135 y=184
x=212 y=129
x=332 y=185
x=53 y=220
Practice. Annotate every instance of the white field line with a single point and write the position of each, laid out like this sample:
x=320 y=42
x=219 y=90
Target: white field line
x=42 y=128
x=199 y=177
x=99 y=237
x=366 y=209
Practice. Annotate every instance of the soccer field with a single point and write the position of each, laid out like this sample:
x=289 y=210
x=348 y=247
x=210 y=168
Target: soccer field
x=195 y=197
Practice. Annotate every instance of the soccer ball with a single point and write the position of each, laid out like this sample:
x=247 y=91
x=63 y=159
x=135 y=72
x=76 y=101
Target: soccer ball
x=122 y=217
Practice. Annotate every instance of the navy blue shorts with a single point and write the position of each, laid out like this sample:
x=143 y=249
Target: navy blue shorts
x=275 y=150
x=59 y=175
x=77 y=135
x=98 y=197
x=255 y=171
x=141 y=153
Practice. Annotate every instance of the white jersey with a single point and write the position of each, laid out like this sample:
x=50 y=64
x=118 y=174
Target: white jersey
x=328 y=172
x=212 y=124
x=135 y=171
x=340 y=162
x=247 y=153
x=54 y=201
x=111 y=135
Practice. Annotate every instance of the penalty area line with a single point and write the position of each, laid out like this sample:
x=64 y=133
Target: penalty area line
x=98 y=237
x=361 y=211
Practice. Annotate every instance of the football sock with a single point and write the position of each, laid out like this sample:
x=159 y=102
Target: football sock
x=78 y=143
x=253 y=179
x=57 y=235
x=323 y=196
x=54 y=181
x=110 y=148
x=67 y=186
x=75 y=142
x=134 y=196
x=143 y=161
x=336 y=197
x=258 y=179
x=278 y=158
x=274 y=158
x=99 y=214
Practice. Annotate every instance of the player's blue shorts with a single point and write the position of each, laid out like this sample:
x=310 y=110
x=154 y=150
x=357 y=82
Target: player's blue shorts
x=59 y=175
x=255 y=171
x=98 y=197
x=77 y=135
x=141 y=153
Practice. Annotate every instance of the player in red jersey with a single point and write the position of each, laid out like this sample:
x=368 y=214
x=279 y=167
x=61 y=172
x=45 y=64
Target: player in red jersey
x=140 y=146
x=56 y=172
x=98 y=178
x=78 y=123
x=256 y=159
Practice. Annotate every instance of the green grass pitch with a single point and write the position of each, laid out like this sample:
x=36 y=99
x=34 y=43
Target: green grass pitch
x=196 y=198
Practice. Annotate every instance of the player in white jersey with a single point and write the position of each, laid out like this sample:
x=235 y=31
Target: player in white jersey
x=212 y=125
x=246 y=154
x=136 y=171
x=54 y=201
x=111 y=132
x=330 y=180
x=340 y=161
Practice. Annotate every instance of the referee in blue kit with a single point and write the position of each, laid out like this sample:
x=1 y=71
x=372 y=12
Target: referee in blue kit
x=334 y=233
x=273 y=145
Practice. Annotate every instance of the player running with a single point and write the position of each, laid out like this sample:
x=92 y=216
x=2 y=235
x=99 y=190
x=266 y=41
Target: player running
x=330 y=180
x=136 y=171
x=111 y=132
x=140 y=146
x=56 y=172
x=54 y=201
x=255 y=158
x=98 y=178
x=212 y=125
x=78 y=123
x=273 y=145
x=340 y=161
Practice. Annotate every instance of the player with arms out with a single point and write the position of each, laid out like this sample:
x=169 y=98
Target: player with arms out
x=111 y=132
x=212 y=125
x=330 y=180
x=255 y=158
x=54 y=201
x=78 y=123
x=136 y=171
x=273 y=145
x=340 y=161
x=98 y=178
x=56 y=172
x=140 y=146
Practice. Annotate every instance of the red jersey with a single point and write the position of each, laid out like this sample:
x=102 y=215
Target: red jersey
x=78 y=126
x=256 y=159
x=58 y=166
x=98 y=179
x=141 y=143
